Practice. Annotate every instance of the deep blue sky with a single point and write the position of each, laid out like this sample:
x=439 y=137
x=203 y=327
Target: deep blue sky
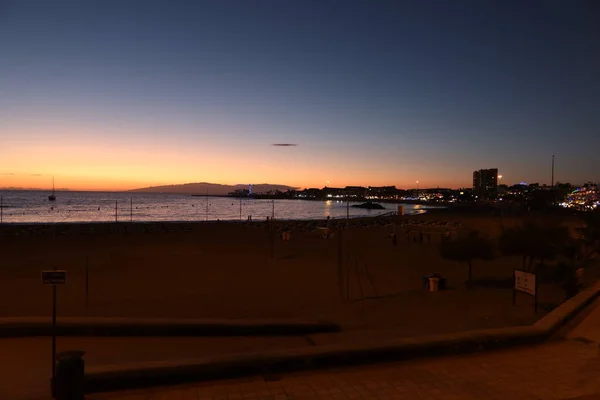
x=373 y=92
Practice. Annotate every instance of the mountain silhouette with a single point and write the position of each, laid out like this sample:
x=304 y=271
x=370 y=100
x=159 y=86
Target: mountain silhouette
x=213 y=189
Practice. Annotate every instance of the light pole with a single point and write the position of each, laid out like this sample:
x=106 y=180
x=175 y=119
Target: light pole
x=498 y=184
x=552 y=171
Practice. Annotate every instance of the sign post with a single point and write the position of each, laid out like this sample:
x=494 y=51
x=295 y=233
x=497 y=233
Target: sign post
x=525 y=282
x=54 y=277
x=87 y=283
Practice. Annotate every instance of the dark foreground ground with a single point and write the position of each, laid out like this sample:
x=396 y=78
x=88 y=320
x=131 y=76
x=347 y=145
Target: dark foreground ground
x=225 y=270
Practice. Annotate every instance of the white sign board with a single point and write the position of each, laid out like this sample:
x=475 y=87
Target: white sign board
x=54 y=277
x=525 y=282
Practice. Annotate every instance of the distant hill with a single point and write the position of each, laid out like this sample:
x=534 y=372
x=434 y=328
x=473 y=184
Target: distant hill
x=214 y=189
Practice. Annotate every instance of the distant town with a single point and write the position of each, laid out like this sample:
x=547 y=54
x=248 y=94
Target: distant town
x=486 y=189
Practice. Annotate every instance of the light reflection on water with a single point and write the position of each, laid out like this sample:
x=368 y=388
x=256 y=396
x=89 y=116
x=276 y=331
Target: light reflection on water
x=34 y=207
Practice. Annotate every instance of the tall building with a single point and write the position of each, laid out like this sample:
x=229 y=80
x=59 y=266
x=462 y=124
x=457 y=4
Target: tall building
x=485 y=183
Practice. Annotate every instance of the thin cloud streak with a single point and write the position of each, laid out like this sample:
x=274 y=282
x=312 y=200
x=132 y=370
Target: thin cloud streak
x=14 y=174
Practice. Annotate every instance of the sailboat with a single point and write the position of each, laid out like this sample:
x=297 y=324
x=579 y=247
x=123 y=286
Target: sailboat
x=52 y=197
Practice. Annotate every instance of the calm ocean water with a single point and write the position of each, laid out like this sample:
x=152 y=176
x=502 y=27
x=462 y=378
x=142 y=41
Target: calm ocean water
x=34 y=207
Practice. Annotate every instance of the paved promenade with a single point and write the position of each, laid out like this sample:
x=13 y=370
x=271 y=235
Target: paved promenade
x=26 y=362
x=568 y=368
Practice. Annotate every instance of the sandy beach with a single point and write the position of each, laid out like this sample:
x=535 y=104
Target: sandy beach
x=225 y=270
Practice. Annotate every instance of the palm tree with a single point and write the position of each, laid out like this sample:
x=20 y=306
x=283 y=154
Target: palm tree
x=468 y=248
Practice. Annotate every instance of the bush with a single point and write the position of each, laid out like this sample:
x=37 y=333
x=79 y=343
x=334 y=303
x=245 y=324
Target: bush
x=534 y=241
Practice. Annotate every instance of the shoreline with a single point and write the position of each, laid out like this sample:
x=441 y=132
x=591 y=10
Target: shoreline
x=178 y=209
x=126 y=227
x=204 y=222
x=125 y=221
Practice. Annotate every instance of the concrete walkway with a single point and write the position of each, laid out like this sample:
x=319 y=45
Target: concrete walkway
x=25 y=366
x=589 y=328
x=564 y=369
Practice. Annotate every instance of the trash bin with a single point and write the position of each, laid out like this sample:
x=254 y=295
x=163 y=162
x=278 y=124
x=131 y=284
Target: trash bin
x=69 y=375
x=426 y=282
x=442 y=281
x=434 y=284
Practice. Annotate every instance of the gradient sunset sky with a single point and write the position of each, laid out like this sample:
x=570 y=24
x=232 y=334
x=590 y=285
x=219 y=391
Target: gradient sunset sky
x=119 y=94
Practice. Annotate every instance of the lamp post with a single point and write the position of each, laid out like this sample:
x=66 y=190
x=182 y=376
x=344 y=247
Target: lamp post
x=498 y=184
x=552 y=171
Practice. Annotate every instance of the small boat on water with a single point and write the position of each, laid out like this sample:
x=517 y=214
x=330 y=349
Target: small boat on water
x=52 y=197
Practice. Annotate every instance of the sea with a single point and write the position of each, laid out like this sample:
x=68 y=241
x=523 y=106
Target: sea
x=22 y=206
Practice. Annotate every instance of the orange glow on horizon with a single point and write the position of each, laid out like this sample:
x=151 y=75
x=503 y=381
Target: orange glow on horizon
x=103 y=159
x=95 y=183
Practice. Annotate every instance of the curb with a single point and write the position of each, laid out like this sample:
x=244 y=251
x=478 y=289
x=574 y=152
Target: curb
x=98 y=326
x=119 y=377
x=562 y=314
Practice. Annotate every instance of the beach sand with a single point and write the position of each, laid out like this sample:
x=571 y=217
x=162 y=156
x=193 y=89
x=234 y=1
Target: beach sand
x=225 y=270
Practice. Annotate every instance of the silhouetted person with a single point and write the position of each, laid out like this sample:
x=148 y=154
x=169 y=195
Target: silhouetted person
x=569 y=280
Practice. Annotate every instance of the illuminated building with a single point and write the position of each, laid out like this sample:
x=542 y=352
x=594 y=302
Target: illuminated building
x=485 y=183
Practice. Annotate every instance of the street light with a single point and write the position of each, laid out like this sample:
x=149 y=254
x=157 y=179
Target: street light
x=417 y=185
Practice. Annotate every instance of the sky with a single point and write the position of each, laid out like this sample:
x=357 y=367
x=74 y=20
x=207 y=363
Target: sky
x=121 y=94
